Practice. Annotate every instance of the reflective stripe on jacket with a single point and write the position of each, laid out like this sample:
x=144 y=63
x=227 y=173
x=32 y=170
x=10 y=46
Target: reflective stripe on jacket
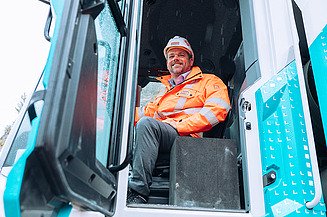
x=197 y=104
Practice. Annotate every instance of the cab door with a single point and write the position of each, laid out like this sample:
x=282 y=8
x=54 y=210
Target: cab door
x=275 y=116
x=314 y=22
x=72 y=141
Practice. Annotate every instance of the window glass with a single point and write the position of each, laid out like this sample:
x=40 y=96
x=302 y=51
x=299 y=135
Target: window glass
x=150 y=91
x=121 y=4
x=19 y=143
x=108 y=38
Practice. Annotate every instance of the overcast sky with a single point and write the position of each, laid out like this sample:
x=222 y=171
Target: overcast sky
x=23 y=53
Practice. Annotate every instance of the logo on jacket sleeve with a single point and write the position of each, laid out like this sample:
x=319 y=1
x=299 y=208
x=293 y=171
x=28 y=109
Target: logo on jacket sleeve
x=216 y=87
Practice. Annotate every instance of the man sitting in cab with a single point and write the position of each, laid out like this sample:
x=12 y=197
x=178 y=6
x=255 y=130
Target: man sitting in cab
x=193 y=103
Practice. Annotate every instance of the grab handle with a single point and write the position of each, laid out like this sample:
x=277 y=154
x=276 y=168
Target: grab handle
x=316 y=179
x=47 y=26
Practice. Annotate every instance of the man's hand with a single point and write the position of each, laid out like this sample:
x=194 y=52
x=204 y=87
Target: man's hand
x=171 y=122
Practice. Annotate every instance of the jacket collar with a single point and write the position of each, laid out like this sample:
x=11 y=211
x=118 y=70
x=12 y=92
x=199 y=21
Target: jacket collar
x=195 y=73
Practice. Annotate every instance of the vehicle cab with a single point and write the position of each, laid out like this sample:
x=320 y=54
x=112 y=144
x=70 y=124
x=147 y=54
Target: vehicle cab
x=69 y=152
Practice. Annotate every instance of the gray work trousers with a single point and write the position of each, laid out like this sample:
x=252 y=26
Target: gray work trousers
x=152 y=138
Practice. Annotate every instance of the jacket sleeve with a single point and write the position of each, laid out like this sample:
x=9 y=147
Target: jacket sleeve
x=214 y=110
x=147 y=110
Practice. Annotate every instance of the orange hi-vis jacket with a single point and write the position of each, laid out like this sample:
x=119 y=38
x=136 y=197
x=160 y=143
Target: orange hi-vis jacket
x=196 y=105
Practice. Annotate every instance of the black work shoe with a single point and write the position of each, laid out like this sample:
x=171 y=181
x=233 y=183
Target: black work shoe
x=134 y=197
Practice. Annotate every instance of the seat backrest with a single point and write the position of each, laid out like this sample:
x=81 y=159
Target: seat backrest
x=227 y=71
x=218 y=131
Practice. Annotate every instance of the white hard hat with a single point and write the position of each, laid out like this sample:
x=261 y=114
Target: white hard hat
x=178 y=42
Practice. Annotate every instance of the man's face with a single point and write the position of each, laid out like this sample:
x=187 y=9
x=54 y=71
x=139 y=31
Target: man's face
x=178 y=62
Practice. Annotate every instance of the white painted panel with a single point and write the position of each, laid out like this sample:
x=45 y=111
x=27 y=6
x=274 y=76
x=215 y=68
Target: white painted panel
x=280 y=33
x=314 y=13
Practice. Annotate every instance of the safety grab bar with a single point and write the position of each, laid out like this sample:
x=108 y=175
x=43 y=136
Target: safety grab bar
x=47 y=26
x=316 y=178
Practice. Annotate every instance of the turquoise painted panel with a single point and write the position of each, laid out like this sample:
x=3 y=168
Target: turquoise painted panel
x=65 y=211
x=318 y=55
x=16 y=175
x=284 y=146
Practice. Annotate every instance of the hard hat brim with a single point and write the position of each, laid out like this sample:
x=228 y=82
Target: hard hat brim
x=181 y=47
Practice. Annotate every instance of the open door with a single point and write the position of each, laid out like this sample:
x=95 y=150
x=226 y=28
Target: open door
x=311 y=21
x=71 y=144
x=312 y=25
x=275 y=109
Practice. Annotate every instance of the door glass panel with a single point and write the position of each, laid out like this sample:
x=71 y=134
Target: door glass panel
x=108 y=38
x=20 y=141
x=121 y=5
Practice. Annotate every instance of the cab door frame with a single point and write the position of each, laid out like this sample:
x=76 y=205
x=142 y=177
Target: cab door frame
x=63 y=167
